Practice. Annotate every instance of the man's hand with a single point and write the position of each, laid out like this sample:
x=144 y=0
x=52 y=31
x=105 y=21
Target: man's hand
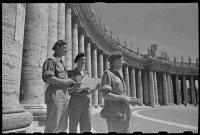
x=74 y=88
x=135 y=101
x=125 y=99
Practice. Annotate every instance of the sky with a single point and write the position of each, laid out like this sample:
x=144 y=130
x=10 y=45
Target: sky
x=172 y=26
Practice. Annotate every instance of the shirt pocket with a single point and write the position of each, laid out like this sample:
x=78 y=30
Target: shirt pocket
x=60 y=71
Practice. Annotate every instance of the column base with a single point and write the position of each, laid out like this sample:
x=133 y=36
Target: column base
x=36 y=109
x=16 y=122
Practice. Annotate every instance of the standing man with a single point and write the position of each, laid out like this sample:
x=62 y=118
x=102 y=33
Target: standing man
x=57 y=93
x=79 y=104
x=116 y=110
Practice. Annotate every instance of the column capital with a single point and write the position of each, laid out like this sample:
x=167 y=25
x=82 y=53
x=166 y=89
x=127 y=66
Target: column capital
x=100 y=51
x=75 y=19
x=81 y=31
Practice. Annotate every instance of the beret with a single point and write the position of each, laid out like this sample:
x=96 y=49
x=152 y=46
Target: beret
x=79 y=56
x=59 y=42
x=115 y=55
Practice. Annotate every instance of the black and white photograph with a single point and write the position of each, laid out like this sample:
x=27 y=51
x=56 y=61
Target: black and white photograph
x=100 y=67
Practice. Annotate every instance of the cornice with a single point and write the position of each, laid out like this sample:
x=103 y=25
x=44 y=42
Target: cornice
x=106 y=44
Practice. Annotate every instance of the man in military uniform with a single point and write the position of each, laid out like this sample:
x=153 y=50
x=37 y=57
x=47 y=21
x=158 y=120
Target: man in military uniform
x=116 y=110
x=57 y=93
x=79 y=104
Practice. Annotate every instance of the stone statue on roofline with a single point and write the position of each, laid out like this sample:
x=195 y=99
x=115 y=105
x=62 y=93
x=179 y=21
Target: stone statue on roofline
x=174 y=60
x=153 y=50
x=197 y=61
x=189 y=61
x=93 y=14
x=181 y=60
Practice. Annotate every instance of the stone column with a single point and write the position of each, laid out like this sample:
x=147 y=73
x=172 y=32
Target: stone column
x=133 y=83
x=34 y=55
x=160 y=89
x=52 y=28
x=139 y=93
x=169 y=89
x=88 y=56
x=192 y=90
x=94 y=75
x=81 y=40
x=146 y=88
x=100 y=74
x=197 y=90
x=151 y=87
x=14 y=115
x=74 y=40
x=172 y=89
x=185 y=92
x=165 y=89
x=127 y=80
x=68 y=36
x=155 y=87
x=178 y=95
x=61 y=23
x=106 y=63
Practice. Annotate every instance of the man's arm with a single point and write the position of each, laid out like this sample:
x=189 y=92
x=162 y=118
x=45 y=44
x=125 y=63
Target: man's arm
x=57 y=81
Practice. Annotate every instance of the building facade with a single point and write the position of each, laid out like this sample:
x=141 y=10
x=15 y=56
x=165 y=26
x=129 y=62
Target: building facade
x=30 y=30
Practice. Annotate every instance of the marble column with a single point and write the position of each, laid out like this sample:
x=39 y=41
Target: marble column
x=165 y=94
x=100 y=74
x=133 y=83
x=155 y=87
x=192 y=90
x=94 y=74
x=160 y=89
x=61 y=21
x=68 y=36
x=127 y=80
x=81 y=41
x=34 y=55
x=197 y=90
x=106 y=63
x=14 y=116
x=88 y=56
x=151 y=87
x=172 y=89
x=169 y=89
x=185 y=92
x=74 y=40
x=139 y=87
x=178 y=95
x=146 y=87
x=52 y=28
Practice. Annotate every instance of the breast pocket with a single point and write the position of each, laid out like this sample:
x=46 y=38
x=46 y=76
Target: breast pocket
x=60 y=71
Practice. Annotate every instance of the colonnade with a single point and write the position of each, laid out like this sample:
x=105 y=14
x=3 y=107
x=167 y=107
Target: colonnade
x=30 y=31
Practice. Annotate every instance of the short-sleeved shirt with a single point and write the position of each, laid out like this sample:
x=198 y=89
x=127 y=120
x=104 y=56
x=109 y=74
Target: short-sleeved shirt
x=53 y=67
x=112 y=81
x=77 y=76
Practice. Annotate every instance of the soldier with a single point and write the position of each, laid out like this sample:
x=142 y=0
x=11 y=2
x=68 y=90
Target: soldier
x=57 y=93
x=116 y=110
x=79 y=104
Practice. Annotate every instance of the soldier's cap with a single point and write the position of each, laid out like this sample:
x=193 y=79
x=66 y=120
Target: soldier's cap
x=79 y=56
x=58 y=43
x=115 y=55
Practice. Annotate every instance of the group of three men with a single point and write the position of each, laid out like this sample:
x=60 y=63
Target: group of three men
x=65 y=98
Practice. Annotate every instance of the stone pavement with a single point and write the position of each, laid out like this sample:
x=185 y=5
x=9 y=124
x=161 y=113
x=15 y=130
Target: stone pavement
x=148 y=119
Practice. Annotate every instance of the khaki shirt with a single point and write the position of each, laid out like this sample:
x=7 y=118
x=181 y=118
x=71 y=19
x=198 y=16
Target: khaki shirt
x=77 y=76
x=112 y=81
x=54 y=67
